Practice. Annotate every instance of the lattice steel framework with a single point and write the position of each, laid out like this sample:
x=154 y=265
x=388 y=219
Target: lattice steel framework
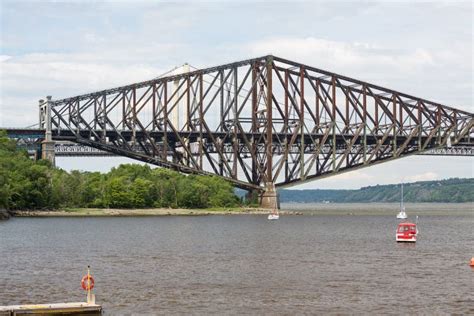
x=263 y=120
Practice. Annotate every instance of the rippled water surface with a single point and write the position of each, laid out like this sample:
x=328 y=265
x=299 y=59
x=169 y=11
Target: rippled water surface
x=337 y=264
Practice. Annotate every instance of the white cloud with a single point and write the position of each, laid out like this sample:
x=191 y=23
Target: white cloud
x=4 y=58
x=435 y=74
x=340 y=55
x=27 y=78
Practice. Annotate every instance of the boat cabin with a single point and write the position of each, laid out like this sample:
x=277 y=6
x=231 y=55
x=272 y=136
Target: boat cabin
x=406 y=232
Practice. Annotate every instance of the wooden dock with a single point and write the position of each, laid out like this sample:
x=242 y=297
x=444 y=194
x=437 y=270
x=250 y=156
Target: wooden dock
x=72 y=309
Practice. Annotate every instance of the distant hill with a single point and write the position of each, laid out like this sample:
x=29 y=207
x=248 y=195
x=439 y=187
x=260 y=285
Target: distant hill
x=448 y=191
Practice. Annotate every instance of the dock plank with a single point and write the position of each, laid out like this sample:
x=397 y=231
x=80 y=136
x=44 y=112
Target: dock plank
x=76 y=308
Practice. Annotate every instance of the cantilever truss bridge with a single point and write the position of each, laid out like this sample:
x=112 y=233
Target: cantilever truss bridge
x=260 y=121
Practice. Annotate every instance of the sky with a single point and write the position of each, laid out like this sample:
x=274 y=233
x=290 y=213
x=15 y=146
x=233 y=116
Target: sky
x=66 y=48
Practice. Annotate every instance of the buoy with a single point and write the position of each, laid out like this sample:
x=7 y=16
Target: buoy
x=472 y=262
x=87 y=282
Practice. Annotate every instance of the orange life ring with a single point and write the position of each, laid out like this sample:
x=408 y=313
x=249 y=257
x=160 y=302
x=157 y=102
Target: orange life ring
x=87 y=285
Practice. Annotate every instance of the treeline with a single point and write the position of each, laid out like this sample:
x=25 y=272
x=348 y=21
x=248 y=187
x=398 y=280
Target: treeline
x=444 y=191
x=26 y=184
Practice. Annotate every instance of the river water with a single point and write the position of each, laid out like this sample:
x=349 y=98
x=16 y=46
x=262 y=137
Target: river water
x=242 y=264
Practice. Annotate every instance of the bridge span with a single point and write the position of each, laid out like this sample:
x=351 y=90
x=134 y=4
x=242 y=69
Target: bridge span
x=259 y=123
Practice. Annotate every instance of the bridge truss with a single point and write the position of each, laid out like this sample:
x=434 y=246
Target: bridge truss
x=257 y=122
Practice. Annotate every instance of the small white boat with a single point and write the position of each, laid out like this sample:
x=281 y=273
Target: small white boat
x=402 y=214
x=273 y=216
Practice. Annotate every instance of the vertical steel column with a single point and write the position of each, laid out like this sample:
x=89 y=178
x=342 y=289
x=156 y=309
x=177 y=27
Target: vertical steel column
x=221 y=163
x=286 y=124
x=438 y=123
x=201 y=119
x=134 y=116
x=455 y=117
x=153 y=128
x=95 y=114
x=334 y=122
x=77 y=117
x=318 y=124
x=420 y=126
x=235 y=144
x=42 y=114
x=347 y=118
x=165 y=121
x=346 y=125
x=376 y=116
x=269 y=119
x=364 y=115
x=400 y=112
x=394 y=121
x=318 y=111
x=253 y=154
x=302 y=174
x=188 y=107
x=186 y=124
x=124 y=110
x=104 y=118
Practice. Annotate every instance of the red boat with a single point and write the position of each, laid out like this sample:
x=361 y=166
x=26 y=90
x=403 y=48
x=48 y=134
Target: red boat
x=406 y=232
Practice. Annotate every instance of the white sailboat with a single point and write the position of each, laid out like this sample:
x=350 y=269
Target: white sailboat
x=273 y=216
x=402 y=214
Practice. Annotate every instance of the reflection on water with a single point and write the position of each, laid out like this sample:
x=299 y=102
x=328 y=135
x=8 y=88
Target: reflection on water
x=241 y=264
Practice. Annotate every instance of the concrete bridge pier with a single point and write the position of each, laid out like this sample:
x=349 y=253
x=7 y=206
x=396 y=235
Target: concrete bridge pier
x=47 y=151
x=47 y=146
x=269 y=197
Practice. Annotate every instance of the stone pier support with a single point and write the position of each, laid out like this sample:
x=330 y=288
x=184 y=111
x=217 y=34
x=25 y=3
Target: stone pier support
x=269 y=198
x=47 y=151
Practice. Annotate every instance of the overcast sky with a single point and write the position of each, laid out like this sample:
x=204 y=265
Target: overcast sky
x=68 y=48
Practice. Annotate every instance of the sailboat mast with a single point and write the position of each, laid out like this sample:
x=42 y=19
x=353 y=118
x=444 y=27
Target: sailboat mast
x=401 y=200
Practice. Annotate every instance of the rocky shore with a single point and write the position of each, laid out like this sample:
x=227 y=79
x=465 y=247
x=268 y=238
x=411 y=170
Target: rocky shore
x=146 y=212
x=4 y=214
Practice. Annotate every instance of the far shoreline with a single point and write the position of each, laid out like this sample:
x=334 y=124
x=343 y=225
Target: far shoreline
x=350 y=209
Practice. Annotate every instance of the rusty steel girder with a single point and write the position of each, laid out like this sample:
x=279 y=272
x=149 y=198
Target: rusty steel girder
x=257 y=121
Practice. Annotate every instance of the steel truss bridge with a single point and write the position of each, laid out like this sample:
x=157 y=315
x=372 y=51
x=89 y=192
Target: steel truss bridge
x=257 y=123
